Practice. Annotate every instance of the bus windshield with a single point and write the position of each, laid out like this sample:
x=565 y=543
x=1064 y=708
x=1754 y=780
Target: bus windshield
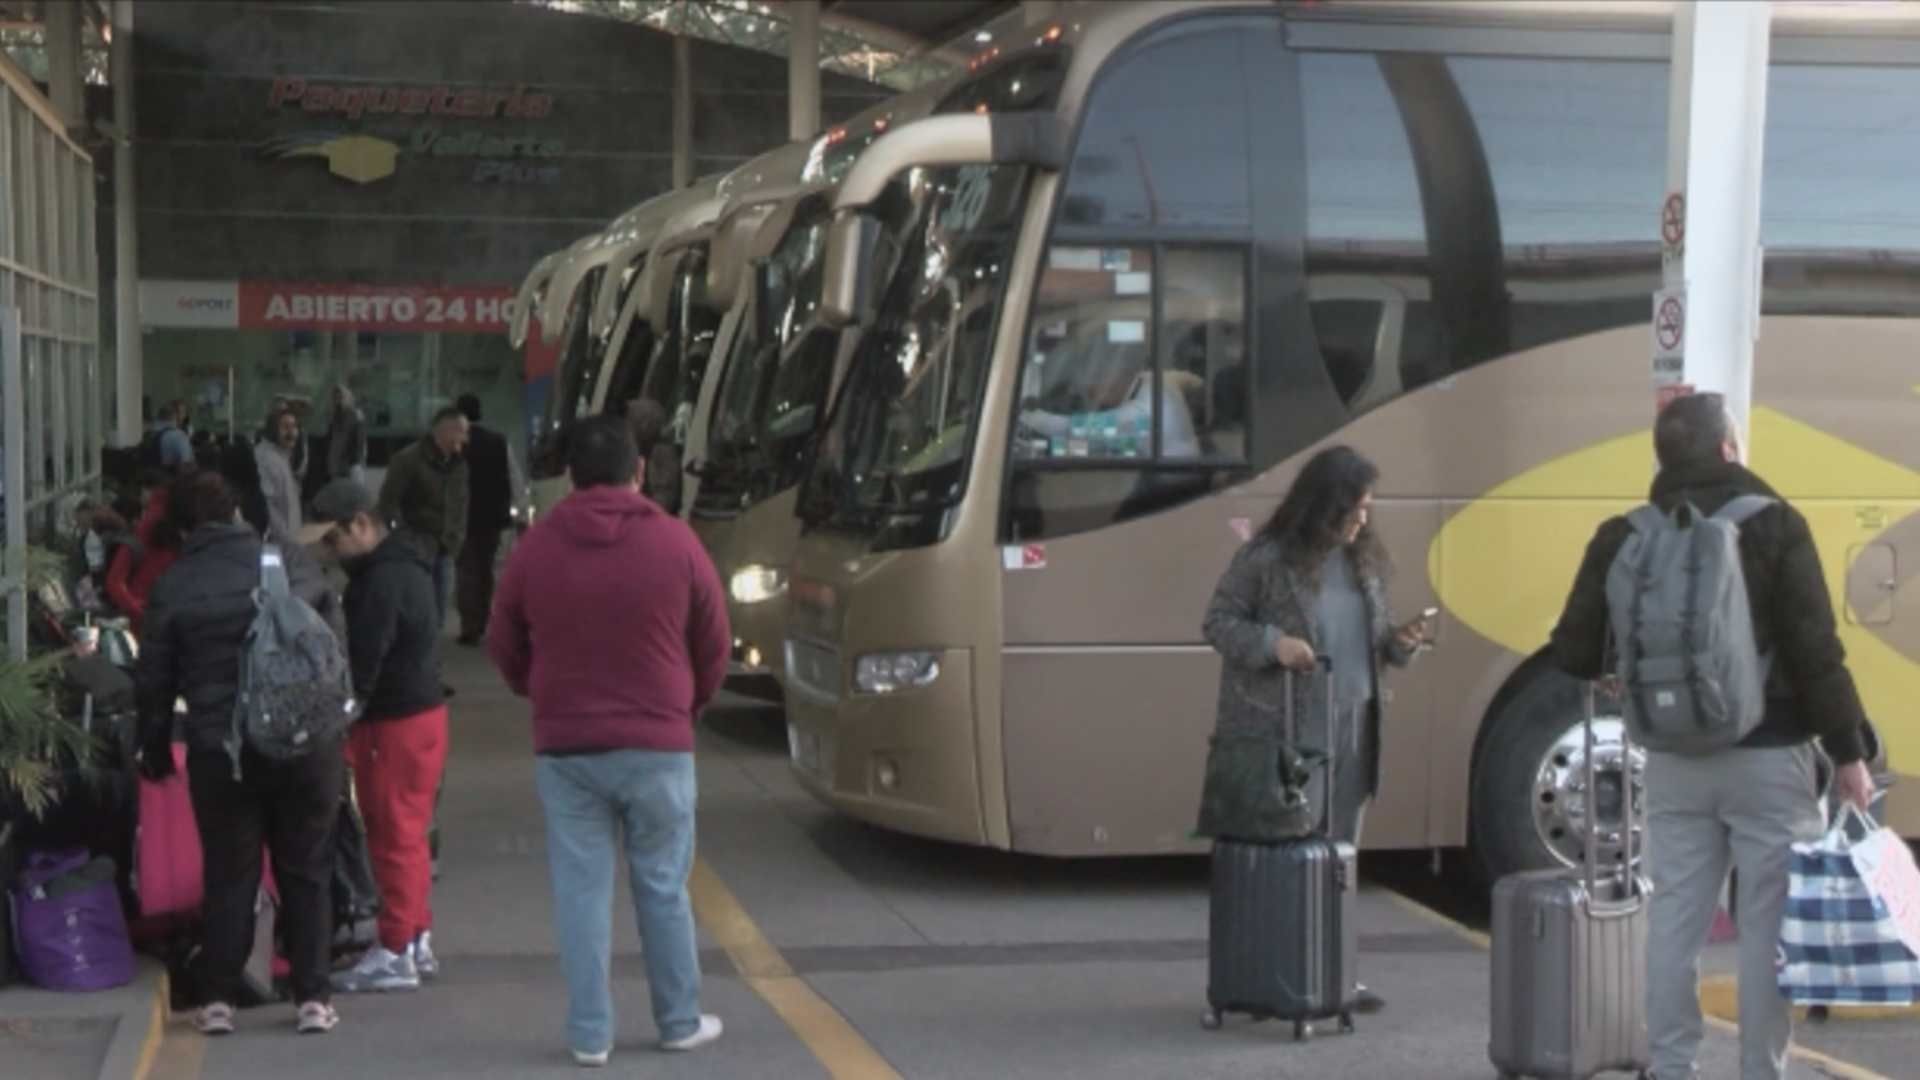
x=898 y=439
x=757 y=400
x=680 y=362
x=573 y=383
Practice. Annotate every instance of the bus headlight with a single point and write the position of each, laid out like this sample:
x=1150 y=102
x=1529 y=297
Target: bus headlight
x=757 y=584
x=887 y=673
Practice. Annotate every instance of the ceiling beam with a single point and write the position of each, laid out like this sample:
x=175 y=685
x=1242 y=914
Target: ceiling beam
x=957 y=27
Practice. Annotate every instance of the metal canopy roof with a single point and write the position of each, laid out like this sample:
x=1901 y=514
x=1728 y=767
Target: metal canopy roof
x=931 y=22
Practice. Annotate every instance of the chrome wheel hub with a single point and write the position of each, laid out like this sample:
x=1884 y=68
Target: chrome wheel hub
x=1562 y=805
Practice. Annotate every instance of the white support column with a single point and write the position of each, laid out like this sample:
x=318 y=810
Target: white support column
x=682 y=111
x=64 y=78
x=1718 y=114
x=803 y=69
x=129 y=378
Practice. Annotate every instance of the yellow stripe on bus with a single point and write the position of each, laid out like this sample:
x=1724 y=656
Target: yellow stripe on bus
x=1503 y=564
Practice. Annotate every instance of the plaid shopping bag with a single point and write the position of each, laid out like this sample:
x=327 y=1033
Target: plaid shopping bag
x=1849 y=907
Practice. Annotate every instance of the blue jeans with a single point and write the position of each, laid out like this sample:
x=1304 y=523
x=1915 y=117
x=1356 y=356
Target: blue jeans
x=594 y=803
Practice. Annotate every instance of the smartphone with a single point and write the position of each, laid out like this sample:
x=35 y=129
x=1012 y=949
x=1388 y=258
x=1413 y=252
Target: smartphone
x=1427 y=617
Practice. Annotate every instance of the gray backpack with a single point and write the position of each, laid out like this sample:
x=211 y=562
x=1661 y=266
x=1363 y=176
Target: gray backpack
x=296 y=687
x=1677 y=597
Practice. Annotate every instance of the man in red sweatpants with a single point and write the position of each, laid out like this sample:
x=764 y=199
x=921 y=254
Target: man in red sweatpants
x=398 y=747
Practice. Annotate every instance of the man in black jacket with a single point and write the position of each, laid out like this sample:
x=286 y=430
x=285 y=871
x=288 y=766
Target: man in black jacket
x=1744 y=806
x=399 y=746
x=191 y=643
x=489 y=512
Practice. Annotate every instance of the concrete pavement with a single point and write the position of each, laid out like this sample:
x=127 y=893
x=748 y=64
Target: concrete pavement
x=835 y=950
x=113 y=1034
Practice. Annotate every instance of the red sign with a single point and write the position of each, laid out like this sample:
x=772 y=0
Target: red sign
x=269 y=305
x=1033 y=557
x=356 y=99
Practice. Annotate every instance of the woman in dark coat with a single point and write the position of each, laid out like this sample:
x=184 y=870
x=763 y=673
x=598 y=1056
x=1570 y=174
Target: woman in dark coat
x=1310 y=585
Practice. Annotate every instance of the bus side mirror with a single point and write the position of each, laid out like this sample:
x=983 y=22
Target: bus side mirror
x=847 y=295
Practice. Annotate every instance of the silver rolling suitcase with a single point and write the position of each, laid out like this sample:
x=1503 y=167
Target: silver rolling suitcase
x=1570 y=961
x=1281 y=937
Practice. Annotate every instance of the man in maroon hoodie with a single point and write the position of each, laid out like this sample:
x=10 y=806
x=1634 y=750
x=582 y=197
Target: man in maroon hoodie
x=612 y=619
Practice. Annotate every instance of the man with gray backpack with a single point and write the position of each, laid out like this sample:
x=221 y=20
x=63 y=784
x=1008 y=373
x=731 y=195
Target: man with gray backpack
x=238 y=629
x=1728 y=668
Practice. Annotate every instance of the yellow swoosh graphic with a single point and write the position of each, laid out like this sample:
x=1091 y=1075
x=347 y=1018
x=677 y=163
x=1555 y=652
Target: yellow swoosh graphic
x=1503 y=564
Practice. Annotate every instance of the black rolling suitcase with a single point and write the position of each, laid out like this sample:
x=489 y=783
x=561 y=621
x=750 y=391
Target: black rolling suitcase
x=1281 y=938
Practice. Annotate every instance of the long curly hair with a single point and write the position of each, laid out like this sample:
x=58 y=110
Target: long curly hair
x=1308 y=522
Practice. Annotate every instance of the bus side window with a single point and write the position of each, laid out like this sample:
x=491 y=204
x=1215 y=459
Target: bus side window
x=1203 y=355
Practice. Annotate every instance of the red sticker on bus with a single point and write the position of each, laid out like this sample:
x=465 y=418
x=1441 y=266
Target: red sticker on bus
x=1033 y=557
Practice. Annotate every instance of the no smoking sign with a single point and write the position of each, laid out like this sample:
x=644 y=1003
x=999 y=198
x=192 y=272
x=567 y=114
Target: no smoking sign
x=1673 y=221
x=1670 y=324
x=1669 y=335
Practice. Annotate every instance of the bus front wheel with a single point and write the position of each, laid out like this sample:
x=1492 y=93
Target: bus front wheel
x=1530 y=805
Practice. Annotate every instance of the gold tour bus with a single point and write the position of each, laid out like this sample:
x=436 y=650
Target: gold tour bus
x=590 y=300
x=559 y=301
x=587 y=301
x=1158 y=255
x=749 y=442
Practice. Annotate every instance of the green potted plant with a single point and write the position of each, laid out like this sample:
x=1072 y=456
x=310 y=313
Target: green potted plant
x=38 y=747
x=37 y=744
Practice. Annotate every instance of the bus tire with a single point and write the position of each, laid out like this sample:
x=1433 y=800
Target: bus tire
x=1519 y=733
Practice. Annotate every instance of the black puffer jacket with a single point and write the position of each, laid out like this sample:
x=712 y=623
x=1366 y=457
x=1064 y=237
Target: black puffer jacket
x=1811 y=692
x=196 y=624
x=393 y=633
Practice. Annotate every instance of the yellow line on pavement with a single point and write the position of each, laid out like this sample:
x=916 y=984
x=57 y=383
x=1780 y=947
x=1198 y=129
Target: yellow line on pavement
x=156 y=1028
x=1709 y=999
x=833 y=1041
x=183 y=1056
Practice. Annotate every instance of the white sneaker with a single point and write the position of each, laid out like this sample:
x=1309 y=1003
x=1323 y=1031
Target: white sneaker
x=427 y=964
x=591 y=1061
x=379 y=971
x=710 y=1028
x=215 y=1018
x=317 y=1018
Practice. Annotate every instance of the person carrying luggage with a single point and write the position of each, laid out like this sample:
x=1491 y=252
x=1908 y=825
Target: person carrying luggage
x=198 y=622
x=1310 y=584
x=398 y=746
x=1717 y=586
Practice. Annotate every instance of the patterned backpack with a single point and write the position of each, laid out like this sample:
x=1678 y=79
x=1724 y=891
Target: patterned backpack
x=296 y=687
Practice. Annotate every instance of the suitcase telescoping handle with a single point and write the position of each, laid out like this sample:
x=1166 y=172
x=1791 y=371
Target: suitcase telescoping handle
x=1627 y=875
x=1324 y=666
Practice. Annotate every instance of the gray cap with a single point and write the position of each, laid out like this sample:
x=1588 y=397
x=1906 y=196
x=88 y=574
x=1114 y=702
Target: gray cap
x=337 y=504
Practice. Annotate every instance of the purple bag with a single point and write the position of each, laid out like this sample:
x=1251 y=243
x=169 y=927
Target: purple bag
x=68 y=925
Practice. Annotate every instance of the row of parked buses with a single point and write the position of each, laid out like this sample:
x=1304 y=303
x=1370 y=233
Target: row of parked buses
x=973 y=398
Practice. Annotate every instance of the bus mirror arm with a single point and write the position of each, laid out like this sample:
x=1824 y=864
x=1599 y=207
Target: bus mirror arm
x=847 y=294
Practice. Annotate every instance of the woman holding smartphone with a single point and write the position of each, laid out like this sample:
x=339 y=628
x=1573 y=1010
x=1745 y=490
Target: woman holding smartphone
x=1310 y=584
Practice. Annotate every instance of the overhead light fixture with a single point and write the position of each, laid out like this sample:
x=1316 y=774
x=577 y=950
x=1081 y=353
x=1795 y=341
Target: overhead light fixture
x=983 y=37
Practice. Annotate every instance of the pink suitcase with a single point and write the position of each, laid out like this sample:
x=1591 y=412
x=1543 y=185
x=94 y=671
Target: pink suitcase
x=166 y=851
